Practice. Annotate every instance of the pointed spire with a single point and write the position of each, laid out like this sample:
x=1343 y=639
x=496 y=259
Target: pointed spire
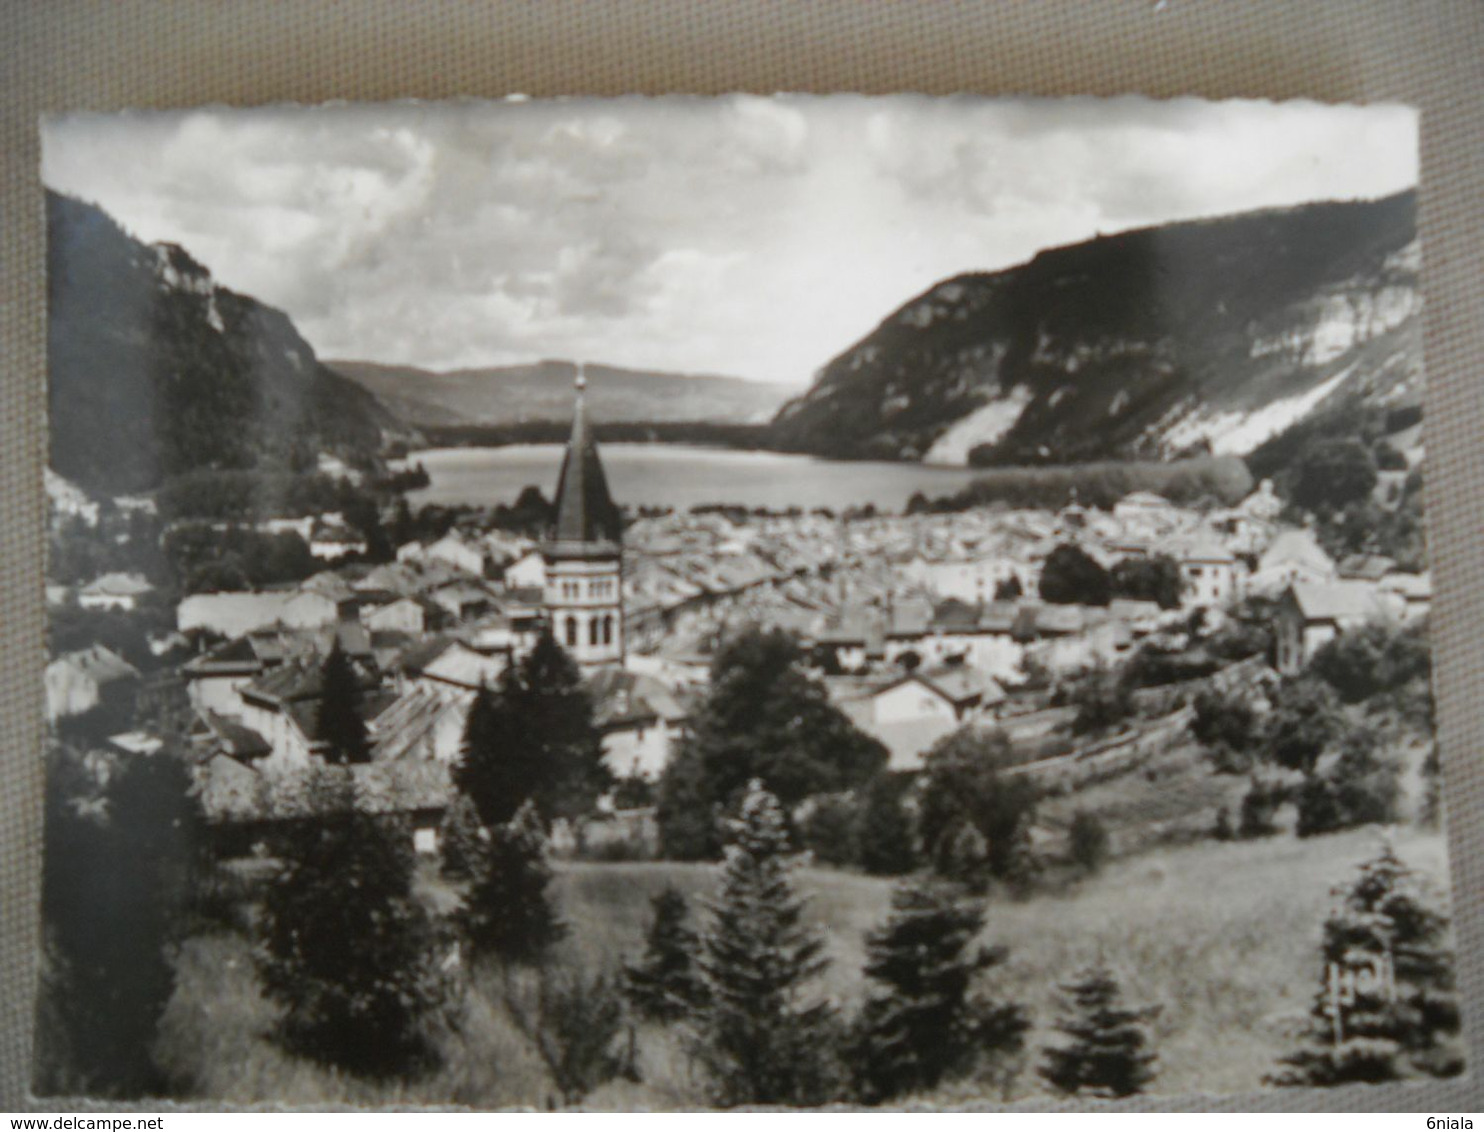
x=587 y=520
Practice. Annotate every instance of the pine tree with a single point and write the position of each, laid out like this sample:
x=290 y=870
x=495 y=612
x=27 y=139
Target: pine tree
x=508 y=914
x=340 y=725
x=921 y=1025
x=1107 y=1054
x=761 y=1039
x=665 y=985
x=116 y=891
x=463 y=842
x=532 y=737
x=347 y=950
x=1391 y=1025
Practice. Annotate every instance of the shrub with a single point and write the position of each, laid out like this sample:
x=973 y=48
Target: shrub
x=1087 y=841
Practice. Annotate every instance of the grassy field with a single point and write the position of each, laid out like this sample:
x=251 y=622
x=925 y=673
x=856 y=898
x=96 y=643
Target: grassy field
x=1221 y=936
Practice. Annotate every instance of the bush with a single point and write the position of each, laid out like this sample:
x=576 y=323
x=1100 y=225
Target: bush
x=1360 y=787
x=1259 y=808
x=974 y=820
x=1087 y=841
x=1069 y=576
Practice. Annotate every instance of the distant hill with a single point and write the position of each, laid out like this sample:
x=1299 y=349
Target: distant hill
x=543 y=391
x=155 y=370
x=1211 y=335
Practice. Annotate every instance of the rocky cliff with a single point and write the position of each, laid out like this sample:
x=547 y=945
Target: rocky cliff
x=155 y=370
x=1212 y=335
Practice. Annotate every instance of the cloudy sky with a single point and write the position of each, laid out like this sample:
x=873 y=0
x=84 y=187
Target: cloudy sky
x=749 y=236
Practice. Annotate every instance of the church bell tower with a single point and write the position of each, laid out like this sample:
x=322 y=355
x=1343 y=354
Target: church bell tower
x=584 y=553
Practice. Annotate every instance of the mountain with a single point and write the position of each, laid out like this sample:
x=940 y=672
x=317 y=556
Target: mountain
x=543 y=391
x=1210 y=335
x=154 y=370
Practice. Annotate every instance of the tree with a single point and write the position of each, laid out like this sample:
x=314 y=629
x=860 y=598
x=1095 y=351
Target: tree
x=884 y=834
x=116 y=892
x=764 y=717
x=508 y=914
x=974 y=820
x=1372 y=659
x=761 y=1038
x=921 y=1024
x=665 y=985
x=1305 y=719
x=575 y=1024
x=1386 y=1008
x=1333 y=473
x=1360 y=786
x=1087 y=841
x=1103 y=701
x=340 y=725
x=1154 y=577
x=1069 y=576
x=532 y=738
x=1106 y=1048
x=1227 y=727
x=346 y=948
x=463 y=842
x=1009 y=589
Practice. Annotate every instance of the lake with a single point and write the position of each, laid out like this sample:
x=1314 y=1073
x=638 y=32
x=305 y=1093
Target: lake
x=684 y=476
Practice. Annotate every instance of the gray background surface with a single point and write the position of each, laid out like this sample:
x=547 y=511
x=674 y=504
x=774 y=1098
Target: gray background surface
x=58 y=55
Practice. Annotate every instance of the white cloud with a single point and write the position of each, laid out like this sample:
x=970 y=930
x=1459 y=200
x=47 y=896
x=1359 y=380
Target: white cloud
x=745 y=235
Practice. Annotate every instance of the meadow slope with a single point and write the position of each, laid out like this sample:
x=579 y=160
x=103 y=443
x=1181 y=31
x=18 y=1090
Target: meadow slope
x=1221 y=936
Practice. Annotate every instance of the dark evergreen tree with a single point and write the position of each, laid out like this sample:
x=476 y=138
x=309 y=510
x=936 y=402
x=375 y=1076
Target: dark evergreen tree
x=1106 y=1048
x=532 y=738
x=764 y=717
x=922 y=1024
x=117 y=884
x=341 y=727
x=1386 y=1008
x=665 y=984
x=508 y=914
x=347 y=950
x=885 y=835
x=462 y=842
x=763 y=1038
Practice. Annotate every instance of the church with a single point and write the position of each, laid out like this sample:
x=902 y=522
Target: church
x=583 y=554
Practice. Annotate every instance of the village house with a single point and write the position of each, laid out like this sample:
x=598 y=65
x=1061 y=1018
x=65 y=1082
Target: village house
x=94 y=677
x=911 y=713
x=1210 y=573
x=331 y=541
x=639 y=719
x=1311 y=614
x=1293 y=556
x=402 y=615
x=114 y=591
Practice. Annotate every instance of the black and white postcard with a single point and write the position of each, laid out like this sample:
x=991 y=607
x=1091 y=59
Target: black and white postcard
x=706 y=602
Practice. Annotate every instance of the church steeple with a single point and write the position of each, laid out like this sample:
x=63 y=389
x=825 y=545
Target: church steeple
x=587 y=519
x=584 y=554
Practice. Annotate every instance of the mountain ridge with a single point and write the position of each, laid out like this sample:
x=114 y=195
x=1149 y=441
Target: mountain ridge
x=540 y=391
x=1205 y=335
x=155 y=370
